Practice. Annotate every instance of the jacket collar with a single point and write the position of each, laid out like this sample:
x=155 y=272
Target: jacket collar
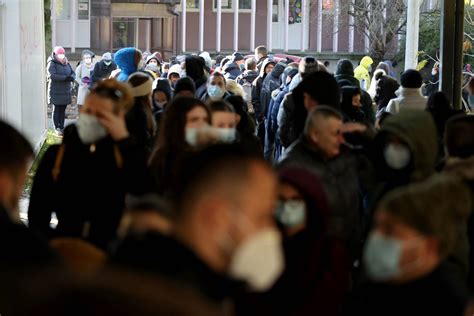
x=405 y=92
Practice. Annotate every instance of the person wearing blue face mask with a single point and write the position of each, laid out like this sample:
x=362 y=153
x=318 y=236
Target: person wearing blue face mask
x=216 y=89
x=406 y=255
x=316 y=263
x=224 y=120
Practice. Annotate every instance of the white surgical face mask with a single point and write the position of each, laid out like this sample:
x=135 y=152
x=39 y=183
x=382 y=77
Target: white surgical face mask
x=108 y=62
x=88 y=60
x=161 y=104
x=258 y=260
x=89 y=129
x=227 y=135
x=382 y=257
x=291 y=213
x=191 y=136
x=215 y=92
x=61 y=56
x=397 y=156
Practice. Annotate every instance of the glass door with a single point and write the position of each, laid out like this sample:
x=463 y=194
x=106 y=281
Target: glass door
x=124 y=33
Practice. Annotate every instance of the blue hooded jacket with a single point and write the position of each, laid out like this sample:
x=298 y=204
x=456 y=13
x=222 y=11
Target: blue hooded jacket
x=125 y=60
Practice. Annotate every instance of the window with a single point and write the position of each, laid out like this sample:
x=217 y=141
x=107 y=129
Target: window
x=192 y=4
x=227 y=5
x=83 y=10
x=63 y=9
x=275 y=11
x=296 y=12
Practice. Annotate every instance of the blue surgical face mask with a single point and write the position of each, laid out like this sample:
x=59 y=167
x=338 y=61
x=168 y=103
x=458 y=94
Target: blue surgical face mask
x=242 y=67
x=215 y=92
x=382 y=257
x=191 y=136
x=291 y=213
x=227 y=135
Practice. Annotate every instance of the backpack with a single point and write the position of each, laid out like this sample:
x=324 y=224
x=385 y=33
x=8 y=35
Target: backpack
x=247 y=86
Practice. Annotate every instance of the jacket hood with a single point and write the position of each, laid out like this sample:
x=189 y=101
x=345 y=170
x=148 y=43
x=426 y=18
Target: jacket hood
x=463 y=168
x=125 y=60
x=265 y=63
x=345 y=67
x=417 y=129
x=310 y=187
x=231 y=66
x=346 y=80
x=278 y=70
x=366 y=62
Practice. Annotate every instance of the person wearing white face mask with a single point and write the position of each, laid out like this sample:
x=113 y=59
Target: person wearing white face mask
x=84 y=75
x=60 y=76
x=99 y=160
x=224 y=120
x=406 y=257
x=103 y=68
x=224 y=233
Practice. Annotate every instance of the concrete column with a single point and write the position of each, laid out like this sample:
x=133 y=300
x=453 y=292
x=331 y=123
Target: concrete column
x=351 y=31
x=218 y=25
x=53 y=23
x=413 y=27
x=335 y=39
x=252 y=24
x=183 y=25
x=303 y=24
x=319 y=43
x=235 y=5
x=286 y=16
x=201 y=25
x=73 y=23
x=269 y=24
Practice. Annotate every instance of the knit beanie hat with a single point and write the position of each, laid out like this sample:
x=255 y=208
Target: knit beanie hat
x=107 y=56
x=411 y=79
x=207 y=59
x=163 y=85
x=59 y=50
x=184 y=84
x=237 y=57
x=344 y=67
x=175 y=69
x=145 y=88
x=308 y=65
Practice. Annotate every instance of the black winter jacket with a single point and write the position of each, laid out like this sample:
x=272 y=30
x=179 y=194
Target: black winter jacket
x=60 y=77
x=87 y=188
x=102 y=71
x=270 y=83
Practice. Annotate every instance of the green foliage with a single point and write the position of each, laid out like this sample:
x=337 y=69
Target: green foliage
x=51 y=139
x=47 y=26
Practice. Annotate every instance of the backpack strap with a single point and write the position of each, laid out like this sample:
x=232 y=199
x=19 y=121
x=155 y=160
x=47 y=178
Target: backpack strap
x=57 y=163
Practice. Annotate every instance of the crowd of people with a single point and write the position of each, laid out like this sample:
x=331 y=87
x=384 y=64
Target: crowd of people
x=243 y=186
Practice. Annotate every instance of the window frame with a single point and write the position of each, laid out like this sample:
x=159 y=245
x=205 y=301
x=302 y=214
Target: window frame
x=225 y=10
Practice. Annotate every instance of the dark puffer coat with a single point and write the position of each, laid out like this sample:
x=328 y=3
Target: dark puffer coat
x=60 y=77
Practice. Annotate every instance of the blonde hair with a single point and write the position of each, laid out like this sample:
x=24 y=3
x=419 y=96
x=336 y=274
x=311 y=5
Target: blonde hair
x=235 y=88
x=118 y=92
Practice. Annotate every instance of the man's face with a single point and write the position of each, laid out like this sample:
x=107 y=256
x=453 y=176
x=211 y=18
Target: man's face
x=327 y=136
x=218 y=81
x=255 y=205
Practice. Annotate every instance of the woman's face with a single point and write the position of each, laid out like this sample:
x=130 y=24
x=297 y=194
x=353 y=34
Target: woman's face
x=160 y=97
x=96 y=104
x=197 y=118
x=290 y=197
x=224 y=119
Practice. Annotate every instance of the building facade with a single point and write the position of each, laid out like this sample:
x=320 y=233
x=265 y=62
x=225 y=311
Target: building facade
x=176 y=26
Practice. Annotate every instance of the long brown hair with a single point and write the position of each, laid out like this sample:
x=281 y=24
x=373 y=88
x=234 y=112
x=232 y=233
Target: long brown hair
x=144 y=102
x=171 y=144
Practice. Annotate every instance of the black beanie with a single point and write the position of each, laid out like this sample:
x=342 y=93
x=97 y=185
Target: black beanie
x=411 y=79
x=162 y=85
x=184 y=84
